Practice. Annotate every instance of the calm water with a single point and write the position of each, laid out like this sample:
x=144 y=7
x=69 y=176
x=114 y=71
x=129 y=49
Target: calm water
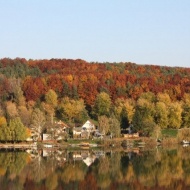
x=95 y=169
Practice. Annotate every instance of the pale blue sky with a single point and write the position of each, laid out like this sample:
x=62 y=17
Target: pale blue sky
x=139 y=31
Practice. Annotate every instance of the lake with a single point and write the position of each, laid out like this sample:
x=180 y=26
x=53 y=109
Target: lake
x=135 y=169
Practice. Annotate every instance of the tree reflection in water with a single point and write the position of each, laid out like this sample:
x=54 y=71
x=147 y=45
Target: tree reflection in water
x=95 y=169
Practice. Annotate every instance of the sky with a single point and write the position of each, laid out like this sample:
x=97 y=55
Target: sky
x=153 y=32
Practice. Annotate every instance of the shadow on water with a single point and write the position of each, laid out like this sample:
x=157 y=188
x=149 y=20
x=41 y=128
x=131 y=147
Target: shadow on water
x=50 y=169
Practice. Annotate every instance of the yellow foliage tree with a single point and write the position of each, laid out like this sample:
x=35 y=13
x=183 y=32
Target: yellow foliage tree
x=3 y=121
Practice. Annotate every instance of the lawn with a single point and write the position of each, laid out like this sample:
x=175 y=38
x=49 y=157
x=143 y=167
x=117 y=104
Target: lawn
x=78 y=141
x=169 y=132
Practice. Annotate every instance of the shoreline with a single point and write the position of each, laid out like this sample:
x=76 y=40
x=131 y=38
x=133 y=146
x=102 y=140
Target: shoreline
x=86 y=143
x=17 y=145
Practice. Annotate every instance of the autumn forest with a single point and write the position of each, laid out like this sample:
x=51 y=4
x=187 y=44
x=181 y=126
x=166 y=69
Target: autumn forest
x=113 y=95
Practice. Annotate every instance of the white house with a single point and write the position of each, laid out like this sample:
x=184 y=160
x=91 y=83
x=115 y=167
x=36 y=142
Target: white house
x=89 y=126
x=86 y=157
x=85 y=130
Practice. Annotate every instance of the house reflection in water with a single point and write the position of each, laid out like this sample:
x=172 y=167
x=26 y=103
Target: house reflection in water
x=85 y=156
x=62 y=156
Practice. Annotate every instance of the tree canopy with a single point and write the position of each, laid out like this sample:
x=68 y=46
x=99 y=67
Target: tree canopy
x=142 y=96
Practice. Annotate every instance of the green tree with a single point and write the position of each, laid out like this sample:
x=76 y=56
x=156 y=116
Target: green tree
x=18 y=130
x=115 y=129
x=51 y=98
x=186 y=116
x=124 y=111
x=73 y=110
x=148 y=127
x=137 y=120
x=175 y=115
x=5 y=133
x=102 y=105
x=103 y=122
x=124 y=119
x=75 y=93
x=143 y=119
x=161 y=115
x=66 y=90
x=186 y=111
x=148 y=96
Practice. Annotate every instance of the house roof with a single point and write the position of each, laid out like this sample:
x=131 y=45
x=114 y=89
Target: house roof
x=88 y=124
x=61 y=123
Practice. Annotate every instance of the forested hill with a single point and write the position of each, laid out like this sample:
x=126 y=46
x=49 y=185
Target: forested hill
x=80 y=79
x=35 y=93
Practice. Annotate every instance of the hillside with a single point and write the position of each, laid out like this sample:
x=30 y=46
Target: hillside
x=85 y=80
x=146 y=96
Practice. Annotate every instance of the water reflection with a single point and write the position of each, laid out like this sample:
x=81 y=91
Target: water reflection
x=95 y=169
